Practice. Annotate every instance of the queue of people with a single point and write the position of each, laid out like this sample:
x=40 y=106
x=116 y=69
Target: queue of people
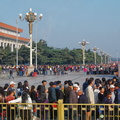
x=92 y=92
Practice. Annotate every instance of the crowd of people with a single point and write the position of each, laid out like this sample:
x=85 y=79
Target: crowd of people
x=91 y=92
x=63 y=69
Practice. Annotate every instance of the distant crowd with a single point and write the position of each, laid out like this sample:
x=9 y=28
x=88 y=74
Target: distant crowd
x=63 y=69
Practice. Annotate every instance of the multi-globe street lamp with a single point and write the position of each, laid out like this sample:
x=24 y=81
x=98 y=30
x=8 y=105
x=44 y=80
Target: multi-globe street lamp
x=30 y=18
x=83 y=43
x=101 y=54
x=95 y=50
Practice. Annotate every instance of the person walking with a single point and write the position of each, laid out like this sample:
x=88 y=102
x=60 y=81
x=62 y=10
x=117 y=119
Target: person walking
x=11 y=74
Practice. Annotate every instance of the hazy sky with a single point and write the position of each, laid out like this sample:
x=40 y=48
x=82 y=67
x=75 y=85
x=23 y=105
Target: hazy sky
x=67 y=22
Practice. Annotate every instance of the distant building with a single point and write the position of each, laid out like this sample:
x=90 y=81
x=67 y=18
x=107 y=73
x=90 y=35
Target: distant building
x=8 y=36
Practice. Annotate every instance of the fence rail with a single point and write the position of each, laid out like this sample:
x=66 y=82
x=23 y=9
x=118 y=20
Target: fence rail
x=59 y=111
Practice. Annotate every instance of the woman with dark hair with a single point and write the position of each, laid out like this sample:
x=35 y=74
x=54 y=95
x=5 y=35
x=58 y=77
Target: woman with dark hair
x=26 y=86
x=109 y=82
x=101 y=94
x=108 y=100
x=6 y=89
x=10 y=112
x=19 y=88
x=33 y=95
x=25 y=113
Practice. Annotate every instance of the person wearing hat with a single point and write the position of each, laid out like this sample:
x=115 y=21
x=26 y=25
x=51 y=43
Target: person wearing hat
x=112 y=90
x=11 y=87
x=73 y=99
x=73 y=94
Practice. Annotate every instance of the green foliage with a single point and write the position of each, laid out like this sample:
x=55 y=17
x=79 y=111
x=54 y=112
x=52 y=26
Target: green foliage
x=46 y=55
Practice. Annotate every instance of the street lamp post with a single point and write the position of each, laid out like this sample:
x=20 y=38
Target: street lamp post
x=109 y=58
x=101 y=53
x=16 y=43
x=36 y=43
x=105 y=54
x=95 y=49
x=117 y=56
x=30 y=18
x=83 y=43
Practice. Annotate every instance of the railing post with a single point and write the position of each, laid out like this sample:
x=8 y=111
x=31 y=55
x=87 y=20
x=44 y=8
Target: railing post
x=60 y=110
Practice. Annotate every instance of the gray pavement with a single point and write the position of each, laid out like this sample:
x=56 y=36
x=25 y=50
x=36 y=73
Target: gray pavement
x=74 y=76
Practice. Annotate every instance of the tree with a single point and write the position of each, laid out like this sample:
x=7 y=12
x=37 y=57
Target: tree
x=46 y=55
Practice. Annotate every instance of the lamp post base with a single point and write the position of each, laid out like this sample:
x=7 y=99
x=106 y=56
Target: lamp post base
x=30 y=70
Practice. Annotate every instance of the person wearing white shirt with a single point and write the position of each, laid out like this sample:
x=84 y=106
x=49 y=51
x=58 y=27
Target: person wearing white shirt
x=96 y=91
x=89 y=92
x=18 y=100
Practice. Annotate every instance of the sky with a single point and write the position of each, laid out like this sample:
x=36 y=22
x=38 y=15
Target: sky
x=65 y=23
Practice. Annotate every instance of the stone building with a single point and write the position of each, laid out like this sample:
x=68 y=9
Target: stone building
x=10 y=35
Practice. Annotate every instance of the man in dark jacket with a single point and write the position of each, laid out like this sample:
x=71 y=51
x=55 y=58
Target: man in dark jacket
x=59 y=93
x=117 y=98
x=82 y=99
x=52 y=93
x=117 y=93
x=42 y=91
x=85 y=84
x=52 y=99
x=67 y=91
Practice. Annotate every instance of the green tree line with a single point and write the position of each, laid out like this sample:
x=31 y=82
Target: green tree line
x=46 y=55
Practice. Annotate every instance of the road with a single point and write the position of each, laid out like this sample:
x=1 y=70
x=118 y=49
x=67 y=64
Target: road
x=74 y=76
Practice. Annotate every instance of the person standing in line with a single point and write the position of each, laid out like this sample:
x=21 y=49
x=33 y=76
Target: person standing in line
x=101 y=95
x=90 y=95
x=10 y=113
x=59 y=93
x=11 y=87
x=96 y=91
x=112 y=90
x=89 y=92
x=42 y=90
x=82 y=99
x=67 y=91
x=73 y=99
x=52 y=99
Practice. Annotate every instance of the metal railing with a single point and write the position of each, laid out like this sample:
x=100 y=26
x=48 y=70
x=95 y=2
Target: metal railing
x=59 y=111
